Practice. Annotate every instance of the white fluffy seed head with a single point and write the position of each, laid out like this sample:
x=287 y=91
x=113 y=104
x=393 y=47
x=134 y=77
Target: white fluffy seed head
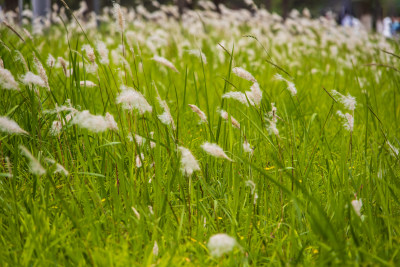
x=290 y=85
x=59 y=168
x=165 y=62
x=87 y=83
x=202 y=115
x=272 y=118
x=155 y=248
x=348 y=101
x=198 y=54
x=42 y=72
x=220 y=244
x=214 y=150
x=89 y=53
x=32 y=79
x=225 y=116
x=132 y=99
x=50 y=61
x=244 y=74
x=34 y=165
x=94 y=123
x=119 y=17
x=394 y=151
x=7 y=80
x=357 y=205
x=139 y=159
x=11 y=127
x=239 y=96
x=166 y=117
x=103 y=52
x=255 y=93
x=348 y=122
x=189 y=163
x=247 y=147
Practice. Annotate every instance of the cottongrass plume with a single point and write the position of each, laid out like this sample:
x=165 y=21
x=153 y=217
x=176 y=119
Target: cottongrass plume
x=255 y=93
x=119 y=16
x=103 y=52
x=214 y=150
x=94 y=123
x=87 y=83
x=34 y=165
x=59 y=168
x=50 y=61
x=244 y=74
x=64 y=66
x=225 y=116
x=357 y=205
x=273 y=119
x=348 y=101
x=166 y=117
x=348 y=120
x=394 y=151
x=42 y=72
x=198 y=54
x=155 y=249
x=132 y=99
x=165 y=62
x=290 y=85
x=7 y=80
x=247 y=147
x=89 y=53
x=220 y=244
x=32 y=79
x=189 y=163
x=202 y=115
x=239 y=96
x=11 y=127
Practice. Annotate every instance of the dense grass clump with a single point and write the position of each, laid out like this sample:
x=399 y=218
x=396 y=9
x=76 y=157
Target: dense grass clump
x=231 y=139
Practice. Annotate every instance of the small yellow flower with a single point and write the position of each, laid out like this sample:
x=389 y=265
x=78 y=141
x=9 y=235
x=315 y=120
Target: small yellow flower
x=269 y=168
x=219 y=218
x=315 y=251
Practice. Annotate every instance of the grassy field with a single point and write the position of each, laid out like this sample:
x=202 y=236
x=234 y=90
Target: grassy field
x=104 y=163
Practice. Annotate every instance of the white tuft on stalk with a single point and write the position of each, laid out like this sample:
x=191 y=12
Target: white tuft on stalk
x=131 y=99
x=348 y=120
x=220 y=244
x=32 y=79
x=42 y=72
x=87 y=83
x=290 y=85
x=165 y=62
x=202 y=115
x=89 y=53
x=255 y=93
x=394 y=151
x=357 y=205
x=166 y=117
x=103 y=52
x=94 y=123
x=272 y=119
x=244 y=74
x=225 y=116
x=7 y=80
x=189 y=163
x=59 y=167
x=34 y=165
x=239 y=96
x=214 y=150
x=11 y=127
x=50 y=61
x=247 y=147
x=119 y=17
x=348 y=101
x=198 y=54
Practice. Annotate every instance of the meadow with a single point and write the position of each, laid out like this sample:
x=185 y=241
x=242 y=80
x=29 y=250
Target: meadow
x=236 y=139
